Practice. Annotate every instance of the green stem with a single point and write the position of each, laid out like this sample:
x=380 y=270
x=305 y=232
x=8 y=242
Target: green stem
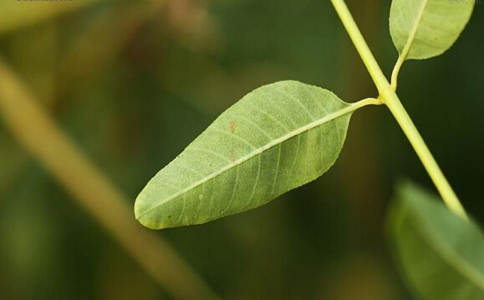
x=366 y=102
x=396 y=71
x=390 y=98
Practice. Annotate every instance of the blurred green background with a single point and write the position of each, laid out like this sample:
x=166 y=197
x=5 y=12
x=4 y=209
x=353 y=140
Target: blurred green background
x=133 y=82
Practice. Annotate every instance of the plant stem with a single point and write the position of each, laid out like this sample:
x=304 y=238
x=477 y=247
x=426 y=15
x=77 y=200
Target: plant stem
x=423 y=152
x=390 y=98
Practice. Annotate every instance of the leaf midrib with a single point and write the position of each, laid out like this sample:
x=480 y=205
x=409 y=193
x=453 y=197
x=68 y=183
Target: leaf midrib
x=258 y=151
x=452 y=257
x=413 y=32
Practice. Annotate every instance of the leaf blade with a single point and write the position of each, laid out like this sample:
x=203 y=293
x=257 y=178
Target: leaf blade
x=248 y=156
x=422 y=29
x=440 y=254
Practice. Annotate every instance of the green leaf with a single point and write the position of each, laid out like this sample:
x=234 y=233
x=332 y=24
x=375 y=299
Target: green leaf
x=440 y=254
x=275 y=139
x=422 y=29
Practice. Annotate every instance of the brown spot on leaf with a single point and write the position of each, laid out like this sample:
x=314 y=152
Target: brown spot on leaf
x=232 y=126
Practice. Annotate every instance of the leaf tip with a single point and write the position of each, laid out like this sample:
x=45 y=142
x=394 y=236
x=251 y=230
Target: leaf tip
x=143 y=214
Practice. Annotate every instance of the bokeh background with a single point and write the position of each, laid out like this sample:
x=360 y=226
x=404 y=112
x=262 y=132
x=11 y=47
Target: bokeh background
x=131 y=83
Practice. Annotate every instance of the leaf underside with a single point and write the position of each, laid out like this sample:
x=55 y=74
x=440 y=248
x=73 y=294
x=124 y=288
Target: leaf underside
x=275 y=139
x=440 y=254
x=430 y=27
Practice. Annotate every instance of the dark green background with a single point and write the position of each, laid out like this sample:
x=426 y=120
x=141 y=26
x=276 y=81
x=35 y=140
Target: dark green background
x=133 y=89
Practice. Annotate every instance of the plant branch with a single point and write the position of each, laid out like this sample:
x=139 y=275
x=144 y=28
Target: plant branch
x=361 y=46
x=39 y=134
x=390 y=98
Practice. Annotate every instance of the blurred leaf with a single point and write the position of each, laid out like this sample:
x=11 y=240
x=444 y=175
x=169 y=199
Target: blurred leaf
x=100 y=40
x=422 y=29
x=441 y=254
x=18 y=14
x=275 y=139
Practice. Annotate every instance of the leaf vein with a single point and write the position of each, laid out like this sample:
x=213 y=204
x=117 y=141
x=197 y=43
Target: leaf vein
x=258 y=151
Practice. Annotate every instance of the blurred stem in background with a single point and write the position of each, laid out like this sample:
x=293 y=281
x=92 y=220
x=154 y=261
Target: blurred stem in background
x=40 y=135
